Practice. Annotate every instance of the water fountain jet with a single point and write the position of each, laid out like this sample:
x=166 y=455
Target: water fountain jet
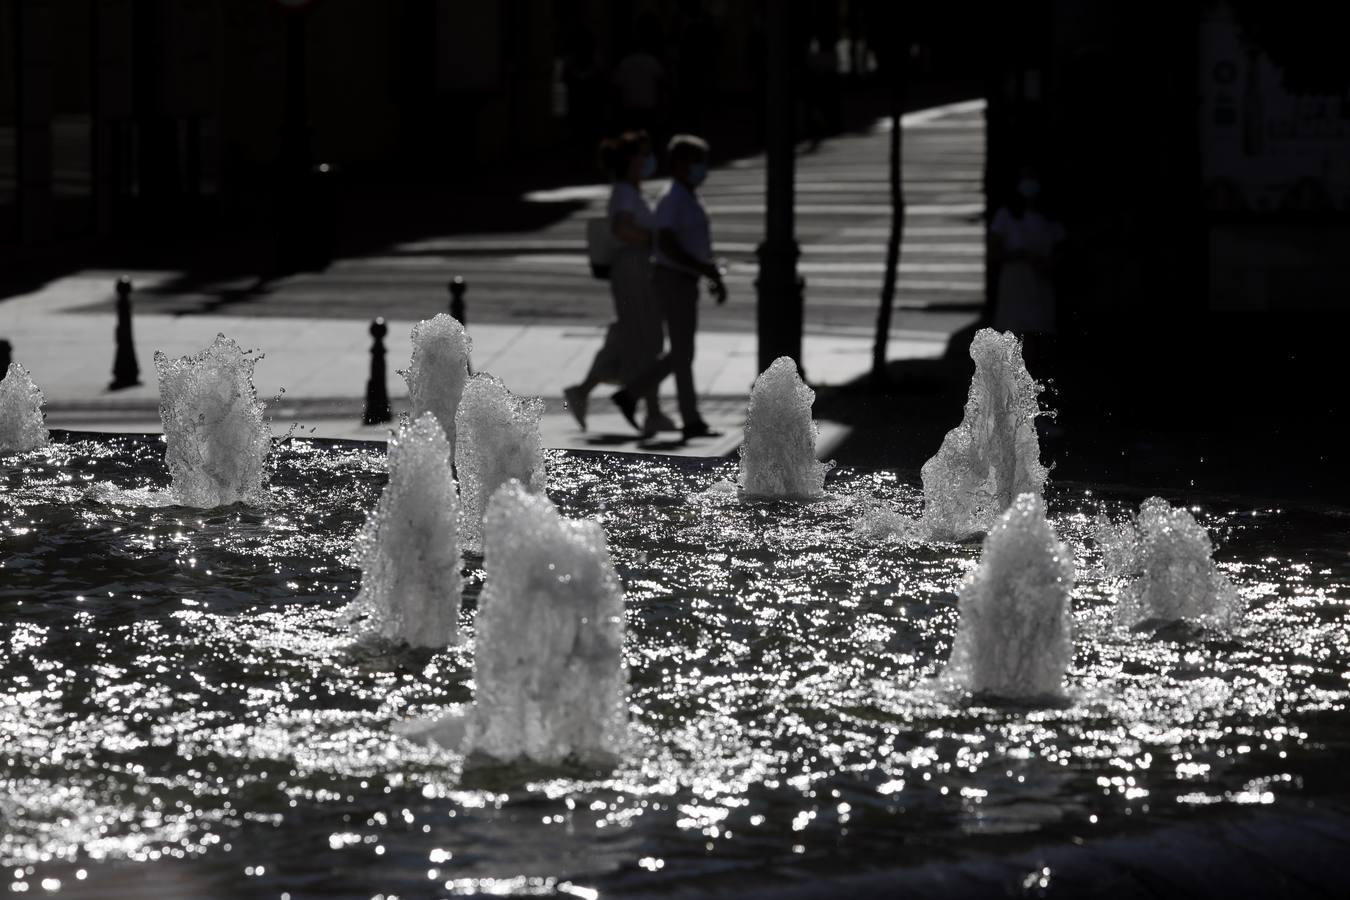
x=1015 y=639
x=438 y=371
x=994 y=454
x=22 y=427
x=778 y=457
x=217 y=441
x=409 y=548
x=499 y=440
x=1164 y=559
x=549 y=676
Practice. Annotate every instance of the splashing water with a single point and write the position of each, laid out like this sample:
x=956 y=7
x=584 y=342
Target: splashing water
x=21 y=424
x=217 y=440
x=880 y=523
x=1015 y=638
x=778 y=457
x=499 y=441
x=774 y=659
x=549 y=676
x=439 y=370
x=1165 y=560
x=409 y=548
x=994 y=454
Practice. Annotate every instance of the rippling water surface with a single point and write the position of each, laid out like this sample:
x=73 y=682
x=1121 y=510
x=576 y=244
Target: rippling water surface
x=177 y=690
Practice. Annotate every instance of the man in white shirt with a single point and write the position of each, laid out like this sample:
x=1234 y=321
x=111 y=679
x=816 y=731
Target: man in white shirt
x=683 y=255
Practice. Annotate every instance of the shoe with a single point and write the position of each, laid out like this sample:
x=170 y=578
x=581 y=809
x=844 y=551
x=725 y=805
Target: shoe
x=699 y=429
x=575 y=398
x=656 y=423
x=628 y=406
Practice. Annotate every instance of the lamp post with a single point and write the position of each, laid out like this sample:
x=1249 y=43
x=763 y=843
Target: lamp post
x=779 y=302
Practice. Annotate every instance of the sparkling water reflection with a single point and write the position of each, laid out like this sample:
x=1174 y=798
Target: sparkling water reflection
x=176 y=684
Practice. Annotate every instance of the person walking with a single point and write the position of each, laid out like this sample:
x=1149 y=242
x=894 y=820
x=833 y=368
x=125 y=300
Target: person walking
x=683 y=256
x=634 y=340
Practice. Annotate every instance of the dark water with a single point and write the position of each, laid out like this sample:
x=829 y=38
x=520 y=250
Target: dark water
x=182 y=713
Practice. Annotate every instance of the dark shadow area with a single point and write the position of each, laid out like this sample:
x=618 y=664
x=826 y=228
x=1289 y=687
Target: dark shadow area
x=236 y=254
x=662 y=446
x=1180 y=421
x=901 y=423
x=611 y=440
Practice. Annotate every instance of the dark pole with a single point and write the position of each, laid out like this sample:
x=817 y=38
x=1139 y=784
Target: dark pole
x=6 y=357
x=779 y=306
x=896 y=76
x=126 y=371
x=377 y=391
x=457 y=288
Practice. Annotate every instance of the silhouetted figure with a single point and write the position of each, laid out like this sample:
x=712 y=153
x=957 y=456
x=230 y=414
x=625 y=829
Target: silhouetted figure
x=1023 y=242
x=820 y=73
x=639 y=81
x=633 y=341
x=683 y=256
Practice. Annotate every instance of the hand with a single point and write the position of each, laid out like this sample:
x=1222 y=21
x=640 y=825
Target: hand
x=719 y=290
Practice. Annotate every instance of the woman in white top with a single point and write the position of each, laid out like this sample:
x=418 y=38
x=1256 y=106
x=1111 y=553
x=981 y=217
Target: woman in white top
x=635 y=339
x=1023 y=245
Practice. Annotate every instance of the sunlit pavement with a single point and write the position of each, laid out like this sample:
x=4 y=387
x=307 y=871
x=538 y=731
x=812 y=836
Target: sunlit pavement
x=536 y=316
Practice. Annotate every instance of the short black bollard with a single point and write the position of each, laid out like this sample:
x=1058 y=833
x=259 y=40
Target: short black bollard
x=126 y=371
x=6 y=357
x=457 y=289
x=377 y=393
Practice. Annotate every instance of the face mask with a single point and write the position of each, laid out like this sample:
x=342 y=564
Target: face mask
x=698 y=172
x=1029 y=188
x=648 y=167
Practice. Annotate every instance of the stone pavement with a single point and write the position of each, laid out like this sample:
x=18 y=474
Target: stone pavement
x=534 y=315
x=313 y=372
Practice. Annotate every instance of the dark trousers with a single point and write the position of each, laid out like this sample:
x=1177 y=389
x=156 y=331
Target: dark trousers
x=676 y=295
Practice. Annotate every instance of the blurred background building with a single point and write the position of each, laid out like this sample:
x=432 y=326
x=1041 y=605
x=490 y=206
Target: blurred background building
x=1197 y=152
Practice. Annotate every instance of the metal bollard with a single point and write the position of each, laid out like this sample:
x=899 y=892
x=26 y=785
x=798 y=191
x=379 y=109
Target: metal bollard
x=377 y=392
x=6 y=357
x=126 y=371
x=457 y=288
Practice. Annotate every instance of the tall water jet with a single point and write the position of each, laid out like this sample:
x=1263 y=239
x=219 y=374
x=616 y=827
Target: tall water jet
x=994 y=454
x=409 y=548
x=1165 y=560
x=439 y=370
x=22 y=427
x=549 y=677
x=217 y=441
x=1015 y=639
x=778 y=457
x=499 y=440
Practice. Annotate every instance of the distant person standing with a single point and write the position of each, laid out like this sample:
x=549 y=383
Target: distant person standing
x=1023 y=242
x=639 y=85
x=633 y=343
x=683 y=256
